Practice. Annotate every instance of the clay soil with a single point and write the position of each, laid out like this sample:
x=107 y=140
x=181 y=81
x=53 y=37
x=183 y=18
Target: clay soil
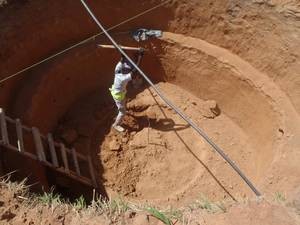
x=231 y=66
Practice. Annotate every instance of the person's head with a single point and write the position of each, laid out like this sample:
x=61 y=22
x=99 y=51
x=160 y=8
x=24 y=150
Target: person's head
x=126 y=68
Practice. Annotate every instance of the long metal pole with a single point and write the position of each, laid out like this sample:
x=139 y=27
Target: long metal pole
x=170 y=104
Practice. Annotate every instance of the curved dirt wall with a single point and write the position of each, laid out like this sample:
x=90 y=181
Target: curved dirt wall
x=53 y=26
x=234 y=25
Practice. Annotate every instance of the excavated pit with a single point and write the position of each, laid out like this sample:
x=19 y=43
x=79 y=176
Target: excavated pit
x=225 y=64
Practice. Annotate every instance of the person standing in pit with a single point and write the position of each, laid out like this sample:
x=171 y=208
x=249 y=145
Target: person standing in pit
x=124 y=72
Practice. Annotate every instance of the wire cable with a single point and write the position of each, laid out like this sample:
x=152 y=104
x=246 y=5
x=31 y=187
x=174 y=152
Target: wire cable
x=170 y=104
x=83 y=41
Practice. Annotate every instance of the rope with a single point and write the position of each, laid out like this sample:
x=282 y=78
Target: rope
x=170 y=104
x=84 y=41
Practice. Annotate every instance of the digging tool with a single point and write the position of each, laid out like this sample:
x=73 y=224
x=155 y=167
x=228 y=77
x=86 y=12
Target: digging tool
x=145 y=34
x=123 y=47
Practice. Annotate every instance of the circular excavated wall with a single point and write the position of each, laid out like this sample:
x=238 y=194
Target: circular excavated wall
x=254 y=81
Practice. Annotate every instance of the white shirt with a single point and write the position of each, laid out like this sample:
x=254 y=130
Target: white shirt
x=118 y=68
x=121 y=81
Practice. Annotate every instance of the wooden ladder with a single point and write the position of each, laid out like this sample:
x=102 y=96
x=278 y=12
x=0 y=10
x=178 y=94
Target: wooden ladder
x=48 y=152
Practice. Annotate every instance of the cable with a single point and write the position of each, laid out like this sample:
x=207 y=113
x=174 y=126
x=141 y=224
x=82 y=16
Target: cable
x=170 y=104
x=84 y=41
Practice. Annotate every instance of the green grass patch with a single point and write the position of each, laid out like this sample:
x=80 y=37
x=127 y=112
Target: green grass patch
x=159 y=215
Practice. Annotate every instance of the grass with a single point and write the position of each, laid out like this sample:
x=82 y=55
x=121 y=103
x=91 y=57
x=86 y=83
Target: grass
x=80 y=203
x=159 y=215
x=114 y=210
x=50 y=198
x=111 y=207
x=279 y=197
x=207 y=205
x=18 y=188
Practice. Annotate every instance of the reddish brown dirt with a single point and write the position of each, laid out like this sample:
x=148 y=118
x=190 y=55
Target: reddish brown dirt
x=240 y=56
x=14 y=210
x=150 y=162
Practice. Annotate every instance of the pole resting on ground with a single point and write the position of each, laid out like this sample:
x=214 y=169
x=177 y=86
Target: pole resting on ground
x=171 y=105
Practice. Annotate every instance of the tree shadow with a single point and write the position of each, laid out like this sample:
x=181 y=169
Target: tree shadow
x=190 y=150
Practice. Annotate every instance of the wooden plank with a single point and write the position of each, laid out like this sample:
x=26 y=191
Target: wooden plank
x=4 y=132
x=64 y=157
x=13 y=148
x=52 y=150
x=123 y=47
x=20 y=135
x=74 y=154
x=38 y=144
x=92 y=172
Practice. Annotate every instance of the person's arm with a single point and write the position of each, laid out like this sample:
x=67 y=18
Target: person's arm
x=139 y=57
